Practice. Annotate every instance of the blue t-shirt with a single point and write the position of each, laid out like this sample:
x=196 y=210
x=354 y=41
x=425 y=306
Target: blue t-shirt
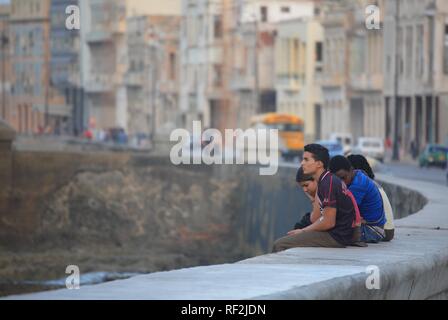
x=368 y=198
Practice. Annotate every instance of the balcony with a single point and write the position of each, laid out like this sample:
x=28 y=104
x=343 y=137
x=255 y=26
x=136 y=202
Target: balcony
x=134 y=79
x=365 y=82
x=169 y=87
x=289 y=82
x=59 y=110
x=332 y=80
x=102 y=83
x=242 y=82
x=105 y=32
x=99 y=36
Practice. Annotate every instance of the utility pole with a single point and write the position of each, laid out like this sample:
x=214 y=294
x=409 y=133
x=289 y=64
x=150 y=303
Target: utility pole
x=47 y=79
x=154 y=69
x=396 y=155
x=256 y=70
x=4 y=43
x=430 y=12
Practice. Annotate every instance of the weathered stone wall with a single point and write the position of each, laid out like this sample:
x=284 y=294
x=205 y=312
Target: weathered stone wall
x=6 y=157
x=117 y=211
x=126 y=212
x=404 y=201
x=111 y=196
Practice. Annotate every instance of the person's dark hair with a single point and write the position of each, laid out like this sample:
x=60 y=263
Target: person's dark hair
x=302 y=177
x=339 y=163
x=360 y=162
x=319 y=152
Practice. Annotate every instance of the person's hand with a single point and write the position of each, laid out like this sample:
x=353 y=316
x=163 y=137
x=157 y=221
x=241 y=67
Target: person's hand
x=293 y=232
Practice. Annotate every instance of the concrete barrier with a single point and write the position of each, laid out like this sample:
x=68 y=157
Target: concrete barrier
x=413 y=266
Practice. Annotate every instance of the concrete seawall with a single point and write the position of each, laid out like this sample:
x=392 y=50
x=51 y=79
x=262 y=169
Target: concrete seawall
x=59 y=208
x=124 y=212
x=413 y=266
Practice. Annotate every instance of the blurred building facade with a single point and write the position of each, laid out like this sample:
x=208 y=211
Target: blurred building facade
x=34 y=103
x=103 y=62
x=299 y=65
x=204 y=95
x=5 y=63
x=65 y=68
x=228 y=58
x=256 y=56
x=352 y=81
x=165 y=43
x=149 y=66
x=152 y=78
x=416 y=72
x=118 y=57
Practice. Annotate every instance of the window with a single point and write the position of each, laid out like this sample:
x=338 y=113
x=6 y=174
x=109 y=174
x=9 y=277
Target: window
x=217 y=27
x=217 y=80
x=319 y=51
x=31 y=40
x=409 y=59
x=420 y=63
x=400 y=51
x=264 y=13
x=172 y=66
x=445 y=51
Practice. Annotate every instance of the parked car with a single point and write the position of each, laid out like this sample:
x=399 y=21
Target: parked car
x=433 y=155
x=334 y=147
x=345 y=139
x=370 y=147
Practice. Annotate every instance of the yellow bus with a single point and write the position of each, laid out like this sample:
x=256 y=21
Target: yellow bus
x=290 y=130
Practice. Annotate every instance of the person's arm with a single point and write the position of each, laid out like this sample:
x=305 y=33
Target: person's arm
x=315 y=214
x=324 y=223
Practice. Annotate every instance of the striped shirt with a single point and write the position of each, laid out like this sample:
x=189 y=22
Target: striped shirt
x=332 y=192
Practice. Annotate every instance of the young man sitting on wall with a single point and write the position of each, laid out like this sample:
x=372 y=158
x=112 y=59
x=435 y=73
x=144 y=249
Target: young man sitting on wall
x=334 y=212
x=309 y=186
x=367 y=197
x=360 y=162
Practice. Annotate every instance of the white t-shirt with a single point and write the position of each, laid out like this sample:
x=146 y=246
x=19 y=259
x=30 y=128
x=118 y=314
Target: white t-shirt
x=387 y=209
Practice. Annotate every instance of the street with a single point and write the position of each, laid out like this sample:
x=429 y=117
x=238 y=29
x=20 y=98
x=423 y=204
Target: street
x=414 y=172
x=401 y=170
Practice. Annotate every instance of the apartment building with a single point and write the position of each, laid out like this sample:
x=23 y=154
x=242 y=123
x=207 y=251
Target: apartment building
x=5 y=63
x=416 y=72
x=34 y=103
x=299 y=67
x=107 y=76
x=65 y=67
x=256 y=54
x=152 y=78
x=352 y=81
x=104 y=62
x=204 y=96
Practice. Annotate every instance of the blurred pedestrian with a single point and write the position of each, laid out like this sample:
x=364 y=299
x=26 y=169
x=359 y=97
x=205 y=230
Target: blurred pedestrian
x=413 y=149
x=88 y=134
x=388 y=146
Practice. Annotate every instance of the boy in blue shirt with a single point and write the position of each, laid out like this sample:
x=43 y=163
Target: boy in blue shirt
x=367 y=196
